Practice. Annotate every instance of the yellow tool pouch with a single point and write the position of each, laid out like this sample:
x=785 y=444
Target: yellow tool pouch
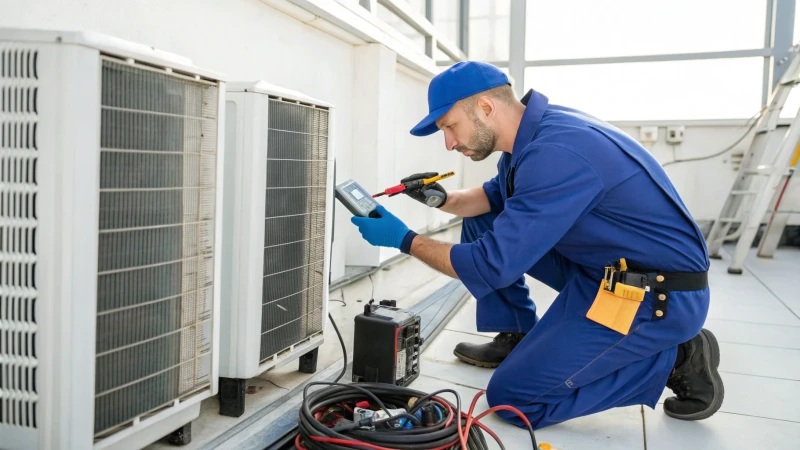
x=618 y=298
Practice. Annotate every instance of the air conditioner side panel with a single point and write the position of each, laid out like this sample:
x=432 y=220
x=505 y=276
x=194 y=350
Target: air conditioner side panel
x=54 y=153
x=244 y=231
x=18 y=430
x=68 y=141
x=229 y=308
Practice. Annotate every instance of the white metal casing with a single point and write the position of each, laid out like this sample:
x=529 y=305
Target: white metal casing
x=66 y=72
x=247 y=115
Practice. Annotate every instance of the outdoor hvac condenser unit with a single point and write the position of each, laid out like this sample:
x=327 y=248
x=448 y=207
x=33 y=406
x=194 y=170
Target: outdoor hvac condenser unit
x=276 y=244
x=109 y=173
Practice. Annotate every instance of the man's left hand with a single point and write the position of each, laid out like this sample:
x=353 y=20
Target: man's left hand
x=432 y=195
x=385 y=231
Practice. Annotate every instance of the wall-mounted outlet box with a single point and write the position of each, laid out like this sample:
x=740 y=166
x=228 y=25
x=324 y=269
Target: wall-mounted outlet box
x=675 y=134
x=736 y=159
x=648 y=134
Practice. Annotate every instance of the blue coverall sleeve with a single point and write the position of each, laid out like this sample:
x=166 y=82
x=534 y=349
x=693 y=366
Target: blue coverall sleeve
x=493 y=193
x=554 y=187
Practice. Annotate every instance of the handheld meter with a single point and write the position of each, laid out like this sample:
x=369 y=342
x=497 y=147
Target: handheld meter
x=356 y=199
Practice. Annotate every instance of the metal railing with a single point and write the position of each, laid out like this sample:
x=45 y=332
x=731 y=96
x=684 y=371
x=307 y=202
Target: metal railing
x=423 y=24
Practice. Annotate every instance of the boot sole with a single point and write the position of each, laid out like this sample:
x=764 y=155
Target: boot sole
x=474 y=362
x=711 y=352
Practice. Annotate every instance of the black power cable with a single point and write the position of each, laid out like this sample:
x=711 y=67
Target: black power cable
x=351 y=435
x=341 y=341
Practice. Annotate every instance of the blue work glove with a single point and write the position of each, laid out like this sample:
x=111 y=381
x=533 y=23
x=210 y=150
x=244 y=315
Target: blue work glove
x=385 y=231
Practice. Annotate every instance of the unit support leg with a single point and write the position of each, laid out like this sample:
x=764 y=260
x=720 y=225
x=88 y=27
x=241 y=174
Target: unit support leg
x=231 y=396
x=181 y=436
x=308 y=362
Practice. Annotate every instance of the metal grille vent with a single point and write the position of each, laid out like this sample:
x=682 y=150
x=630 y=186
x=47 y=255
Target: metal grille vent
x=294 y=238
x=18 y=189
x=157 y=195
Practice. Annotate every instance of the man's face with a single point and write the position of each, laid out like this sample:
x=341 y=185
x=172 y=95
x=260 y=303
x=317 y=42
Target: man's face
x=466 y=132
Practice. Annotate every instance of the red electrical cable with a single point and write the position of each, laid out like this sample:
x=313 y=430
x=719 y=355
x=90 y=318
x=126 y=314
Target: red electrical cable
x=463 y=436
x=505 y=408
x=475 y=420
x=471 y=410
x=478 y=424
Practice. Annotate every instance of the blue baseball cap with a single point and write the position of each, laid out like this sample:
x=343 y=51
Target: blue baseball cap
x=458 y=82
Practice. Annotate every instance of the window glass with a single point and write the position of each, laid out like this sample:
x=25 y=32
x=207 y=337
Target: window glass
x=591 y=28
x=445 y=19
x=796 y=22
x=792 y=106
x=684 y=90
x=489 y=30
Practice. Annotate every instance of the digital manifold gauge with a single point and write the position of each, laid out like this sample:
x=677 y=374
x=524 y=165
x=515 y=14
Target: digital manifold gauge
x=356 y=199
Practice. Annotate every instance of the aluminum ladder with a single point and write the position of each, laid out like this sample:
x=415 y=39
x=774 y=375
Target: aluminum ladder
x=786 y=203
x=764 y=172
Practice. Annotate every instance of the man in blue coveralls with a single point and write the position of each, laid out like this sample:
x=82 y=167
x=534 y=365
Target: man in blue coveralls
x=582 y=207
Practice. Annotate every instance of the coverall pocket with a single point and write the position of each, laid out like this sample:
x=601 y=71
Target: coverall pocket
x=613 y=311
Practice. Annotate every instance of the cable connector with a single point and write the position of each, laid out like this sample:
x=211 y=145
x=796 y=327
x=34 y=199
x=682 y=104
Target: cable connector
x=368 y=423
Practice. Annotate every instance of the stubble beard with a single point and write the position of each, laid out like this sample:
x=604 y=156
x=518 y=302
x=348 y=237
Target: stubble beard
x=482 y=143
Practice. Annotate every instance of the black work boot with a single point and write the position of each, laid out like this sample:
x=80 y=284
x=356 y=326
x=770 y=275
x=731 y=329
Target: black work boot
x=695 y=380
x=490 y=354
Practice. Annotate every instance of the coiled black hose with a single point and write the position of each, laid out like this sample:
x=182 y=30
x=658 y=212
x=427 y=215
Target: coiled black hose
x=443 y=435
x=310 y=434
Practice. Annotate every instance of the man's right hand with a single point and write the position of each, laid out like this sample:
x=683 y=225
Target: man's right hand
x=432 y=195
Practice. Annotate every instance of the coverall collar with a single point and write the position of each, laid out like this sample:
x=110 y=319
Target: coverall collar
x=535 y=106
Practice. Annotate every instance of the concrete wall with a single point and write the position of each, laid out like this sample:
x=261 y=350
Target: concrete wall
x=703 y=185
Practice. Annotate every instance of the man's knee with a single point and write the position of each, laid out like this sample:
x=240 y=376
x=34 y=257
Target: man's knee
x=472 y=228
x=498 y=393
x=502 y=392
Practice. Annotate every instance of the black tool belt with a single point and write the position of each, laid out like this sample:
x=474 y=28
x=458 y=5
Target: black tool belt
x=631 y=280
x=661 y=283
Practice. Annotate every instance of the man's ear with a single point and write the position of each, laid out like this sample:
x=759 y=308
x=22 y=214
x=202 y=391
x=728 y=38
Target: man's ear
x=486 y=104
